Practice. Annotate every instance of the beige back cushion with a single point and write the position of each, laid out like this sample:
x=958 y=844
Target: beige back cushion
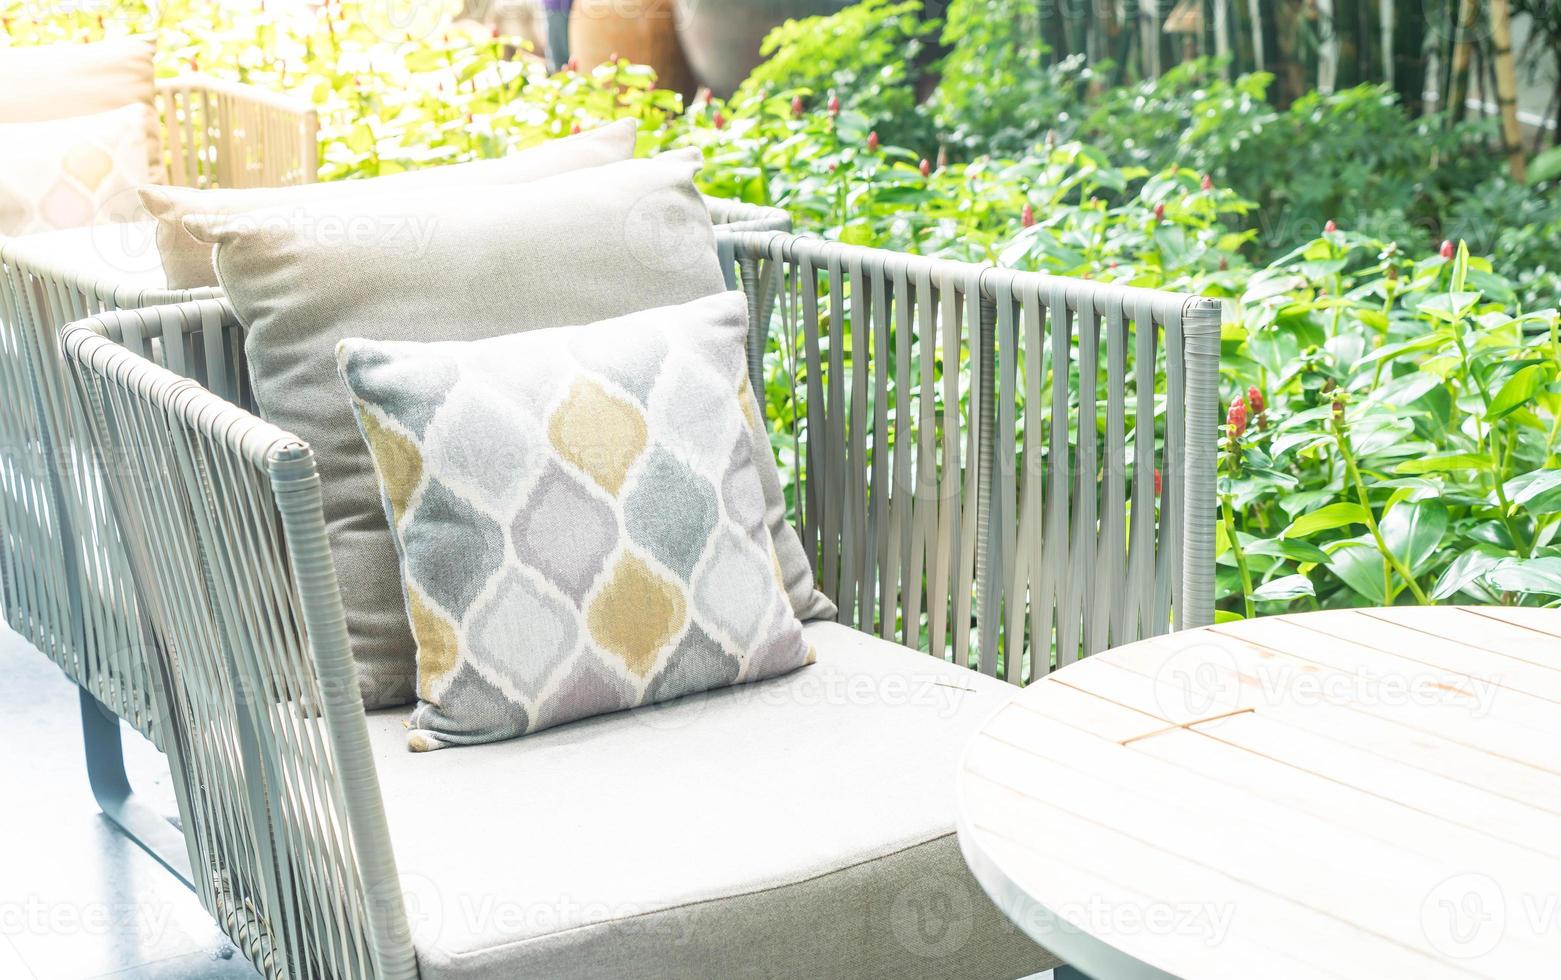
x=57 y=81
x=438 y=263
x=187 y=262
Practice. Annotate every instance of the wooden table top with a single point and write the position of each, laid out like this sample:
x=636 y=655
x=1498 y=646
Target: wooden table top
x=1364 y=793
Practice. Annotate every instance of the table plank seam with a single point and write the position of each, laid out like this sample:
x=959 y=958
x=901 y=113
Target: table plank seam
x=1495 y=680
x=1546 y=664
x=1183 y=725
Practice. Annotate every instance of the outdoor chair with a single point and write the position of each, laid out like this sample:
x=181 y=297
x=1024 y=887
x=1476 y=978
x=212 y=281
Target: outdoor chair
x=969 y=476
x=58 y=576
x=64 y=577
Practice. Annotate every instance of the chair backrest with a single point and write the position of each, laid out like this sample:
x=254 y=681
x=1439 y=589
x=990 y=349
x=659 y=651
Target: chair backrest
x=970 y=474
x=218 y=133
x=958 y=484
x=64 y=579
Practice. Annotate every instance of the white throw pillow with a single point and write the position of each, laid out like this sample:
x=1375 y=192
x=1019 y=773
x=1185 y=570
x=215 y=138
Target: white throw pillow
x=58 y=81
x=67 y=173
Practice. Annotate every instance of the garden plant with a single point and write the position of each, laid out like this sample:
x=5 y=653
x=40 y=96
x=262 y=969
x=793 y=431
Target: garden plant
x=1391 y=361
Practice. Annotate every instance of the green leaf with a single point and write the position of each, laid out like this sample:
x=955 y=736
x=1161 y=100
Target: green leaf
x=1281 y=589
x=1359 y=564
x=1325 y=518
x=1413 y=530
x=1525 y=487
x=1546 y=166
x=1465 y=571
x=1296 y=550
x=1517 y=391
x=1444 y=464
x=1541 y=575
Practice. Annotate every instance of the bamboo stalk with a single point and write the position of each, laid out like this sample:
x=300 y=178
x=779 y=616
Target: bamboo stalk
x=1328 y=46
x=1507 y=88
x=1255 y=14
x=1463 y=49
x=1222 y=35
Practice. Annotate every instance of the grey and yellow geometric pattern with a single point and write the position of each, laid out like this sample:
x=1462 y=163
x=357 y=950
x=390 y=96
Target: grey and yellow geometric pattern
x=579 y=518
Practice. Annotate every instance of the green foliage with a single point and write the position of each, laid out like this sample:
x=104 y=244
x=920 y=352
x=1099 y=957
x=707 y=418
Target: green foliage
x=996 y=93
x=1406 y=450
x=1407 y=447
x=863 y=54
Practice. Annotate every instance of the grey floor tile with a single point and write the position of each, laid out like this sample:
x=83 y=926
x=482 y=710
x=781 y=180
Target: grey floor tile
x=77 y=898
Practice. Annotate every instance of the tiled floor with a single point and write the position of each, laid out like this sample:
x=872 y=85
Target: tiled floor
x=77 y=898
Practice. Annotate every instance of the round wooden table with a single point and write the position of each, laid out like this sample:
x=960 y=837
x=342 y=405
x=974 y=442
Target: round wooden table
x=1365 y=793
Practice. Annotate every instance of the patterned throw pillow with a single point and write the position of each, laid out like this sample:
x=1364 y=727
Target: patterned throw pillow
x=67 y=173
x=579 y=517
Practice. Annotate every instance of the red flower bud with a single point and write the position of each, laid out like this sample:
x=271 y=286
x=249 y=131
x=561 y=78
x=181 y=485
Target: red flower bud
x=1157 y=486
x=718 y=120
x=796 y=105
x=1027 y=216
x=613 y=58
x=1236 y=418
x=1224 y=263
x=573 y=64
x=1330 y=227
x=1447 y=250
x=926 y=168
x=1159 y=212
x=872 y=142
x=834 y=104
x=574 y=130
x=495 y=31
x=702 y=94
x=1255 y=399
x=1207 y=183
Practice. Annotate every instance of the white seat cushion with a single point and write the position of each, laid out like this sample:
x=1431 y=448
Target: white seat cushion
x=117 y=256
x=797 y=827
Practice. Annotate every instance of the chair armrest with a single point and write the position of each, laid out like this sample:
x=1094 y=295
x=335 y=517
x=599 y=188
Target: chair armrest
x=220 y=133
x=253 y=677
x=735 y=216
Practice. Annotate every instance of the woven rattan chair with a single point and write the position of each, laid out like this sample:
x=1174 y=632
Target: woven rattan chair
x=64 y=577
x=966 y=464
x=60 y=582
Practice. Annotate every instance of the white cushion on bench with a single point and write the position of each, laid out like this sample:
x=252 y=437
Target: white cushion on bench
x=797 y=827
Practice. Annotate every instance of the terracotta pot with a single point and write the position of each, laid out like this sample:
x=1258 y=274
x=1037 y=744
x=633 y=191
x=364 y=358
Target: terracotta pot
x=643 y=31
x=721 y=37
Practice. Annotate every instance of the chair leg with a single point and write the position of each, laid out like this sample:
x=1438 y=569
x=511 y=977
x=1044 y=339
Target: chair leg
x=111 y=786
